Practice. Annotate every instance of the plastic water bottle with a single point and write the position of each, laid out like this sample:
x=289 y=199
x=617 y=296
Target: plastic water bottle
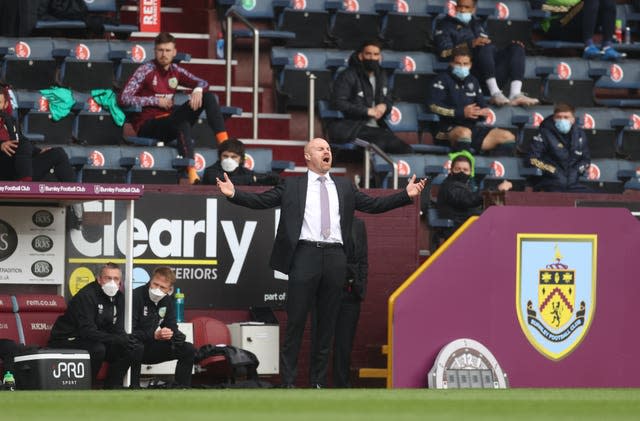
x=618 y=31
x=179 y=306
x=220 y=46
x=9 y=382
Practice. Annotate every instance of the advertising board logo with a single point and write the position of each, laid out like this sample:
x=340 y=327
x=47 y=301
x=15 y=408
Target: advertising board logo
x=41 y=268
x=588 y=122
x=503 y=11
x=402 y=6
x=42 y=243
x=408 y=64
x=146 y=159
x=593 y=173
x=69 y=369
x=635 y=121
x=537 y=119
x=201 y=163
x=563 y=70
x=23 y=50
x=8 y=240
x=42 y=218
x=299 y=4
x=43 y=105
x=395 y=116
x=616 y=73
x=404 y=169
x=97 y=158
x=249 y=162
x=556 y=290
x=82 y=52
x=300 y=61
x=94 y=107
x=351 y=5
x=497 y=169
x=138 y=53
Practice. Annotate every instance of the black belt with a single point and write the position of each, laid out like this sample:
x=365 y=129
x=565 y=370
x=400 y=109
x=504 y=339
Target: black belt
x=320 y=244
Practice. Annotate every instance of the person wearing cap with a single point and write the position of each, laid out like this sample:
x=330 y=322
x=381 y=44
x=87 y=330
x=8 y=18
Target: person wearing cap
x=494 y=67
x=456 y=97
x=231 y=160
x=459 y=196
x=153 y=86
x=561 y=151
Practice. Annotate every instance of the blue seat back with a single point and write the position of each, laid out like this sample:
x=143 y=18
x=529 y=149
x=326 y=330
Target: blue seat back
x=258 y=159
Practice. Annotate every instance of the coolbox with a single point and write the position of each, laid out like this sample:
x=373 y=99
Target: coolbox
x=49 y=369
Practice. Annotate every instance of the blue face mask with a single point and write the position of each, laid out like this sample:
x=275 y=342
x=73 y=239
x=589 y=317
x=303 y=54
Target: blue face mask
x=464 y=17
x=563 y=125
x=461 y=72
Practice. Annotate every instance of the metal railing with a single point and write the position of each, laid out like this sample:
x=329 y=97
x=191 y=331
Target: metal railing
x=312 y=106
x=256 y=63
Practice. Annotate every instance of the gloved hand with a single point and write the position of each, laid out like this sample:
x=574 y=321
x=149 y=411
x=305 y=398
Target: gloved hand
x=178 y=339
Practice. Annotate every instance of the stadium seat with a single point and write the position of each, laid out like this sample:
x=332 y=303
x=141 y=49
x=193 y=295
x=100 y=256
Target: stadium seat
x=38 y=119
x=602 y=176
x=256 y=10
x=292 y=68
x=8 y=320
x=87 y=64
x=111 y=10
x=155 y=165
x=94 y=125
x=353 y=22
x=36 y=314
x=412 y=74
x=404 y=117
x=406 y=25
x=28 y=63
x=618 y=85
x=307 y=19
x=210 y=331
x=568 y=79
x=509 y=22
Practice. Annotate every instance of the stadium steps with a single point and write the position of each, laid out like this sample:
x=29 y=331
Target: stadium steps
x=375 y=373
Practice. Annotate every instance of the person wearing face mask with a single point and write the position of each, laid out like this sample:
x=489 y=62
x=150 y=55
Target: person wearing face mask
x=494 y=67
x=155 y=328
x=561 y=151
x=94 y=321
x=459 y=196
x=361 y=93
x=231 y=161
x=457 y=99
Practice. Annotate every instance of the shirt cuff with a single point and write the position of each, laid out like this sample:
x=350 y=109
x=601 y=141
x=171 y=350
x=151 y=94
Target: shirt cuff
x=198 y=89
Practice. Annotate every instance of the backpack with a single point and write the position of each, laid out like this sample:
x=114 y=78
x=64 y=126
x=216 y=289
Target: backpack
x=244 y=364
x=68 y=9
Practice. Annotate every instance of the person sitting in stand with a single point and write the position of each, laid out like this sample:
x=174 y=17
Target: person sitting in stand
x=494 y=67
x=231 y=160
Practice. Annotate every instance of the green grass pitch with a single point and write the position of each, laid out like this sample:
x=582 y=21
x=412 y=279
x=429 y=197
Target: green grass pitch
x=325 y=405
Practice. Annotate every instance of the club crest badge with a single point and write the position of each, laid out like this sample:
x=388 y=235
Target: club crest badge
x=556 y=290
x=173 y=82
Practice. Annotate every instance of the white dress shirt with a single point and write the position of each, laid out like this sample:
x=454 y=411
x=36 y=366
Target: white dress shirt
x=311 y=230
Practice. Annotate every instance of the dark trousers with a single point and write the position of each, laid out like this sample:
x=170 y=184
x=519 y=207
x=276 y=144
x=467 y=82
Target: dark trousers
x=506 y=64
x=583 y=26
x=346 y=324
x=178 y=124
x=384 y=138
x=159 y=351
x=17 y=166
x=48 y=165
x=315 y=281
x=8 y=350
x=117 y=355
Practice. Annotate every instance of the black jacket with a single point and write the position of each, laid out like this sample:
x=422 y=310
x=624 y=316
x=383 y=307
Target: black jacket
x=353 y=95
x=92 y=315
x=561 y=157
x=241 y=176
x=449 y=96
x=19 y=165
x=291 y=196
x=148 y=316
x=458 y=200
x=451 y=33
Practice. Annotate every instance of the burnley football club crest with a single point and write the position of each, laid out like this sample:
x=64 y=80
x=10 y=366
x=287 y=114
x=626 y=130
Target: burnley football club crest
x=556 y=289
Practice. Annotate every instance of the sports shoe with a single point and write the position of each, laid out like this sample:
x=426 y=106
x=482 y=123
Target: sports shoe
x=591 y=52
x=521 y=100
x=498 y=99
x=610 y=54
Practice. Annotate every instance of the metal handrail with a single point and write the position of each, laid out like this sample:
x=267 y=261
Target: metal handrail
x=312 y=101
x=372 y=147
x=231 y=13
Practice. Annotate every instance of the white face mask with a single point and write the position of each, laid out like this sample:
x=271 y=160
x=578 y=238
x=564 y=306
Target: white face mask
x=110 y=288
x=156 y=294
x=229 y=164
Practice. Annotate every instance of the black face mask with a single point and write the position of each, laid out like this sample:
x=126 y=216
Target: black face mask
x=370 y=65
x=460 y=177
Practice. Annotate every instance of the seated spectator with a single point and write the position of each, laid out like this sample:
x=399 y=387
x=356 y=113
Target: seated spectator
x=459 y=196
x=152 y=87
x=457 y=99
x=20 y=160
x=362 y=94
x=94 y=321
x=561 y=151
x=577 y=20
x=493 y=67
x=155 y=328
x=231 y=161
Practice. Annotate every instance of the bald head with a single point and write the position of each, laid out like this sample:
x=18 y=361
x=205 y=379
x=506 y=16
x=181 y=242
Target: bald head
x=317 y=154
